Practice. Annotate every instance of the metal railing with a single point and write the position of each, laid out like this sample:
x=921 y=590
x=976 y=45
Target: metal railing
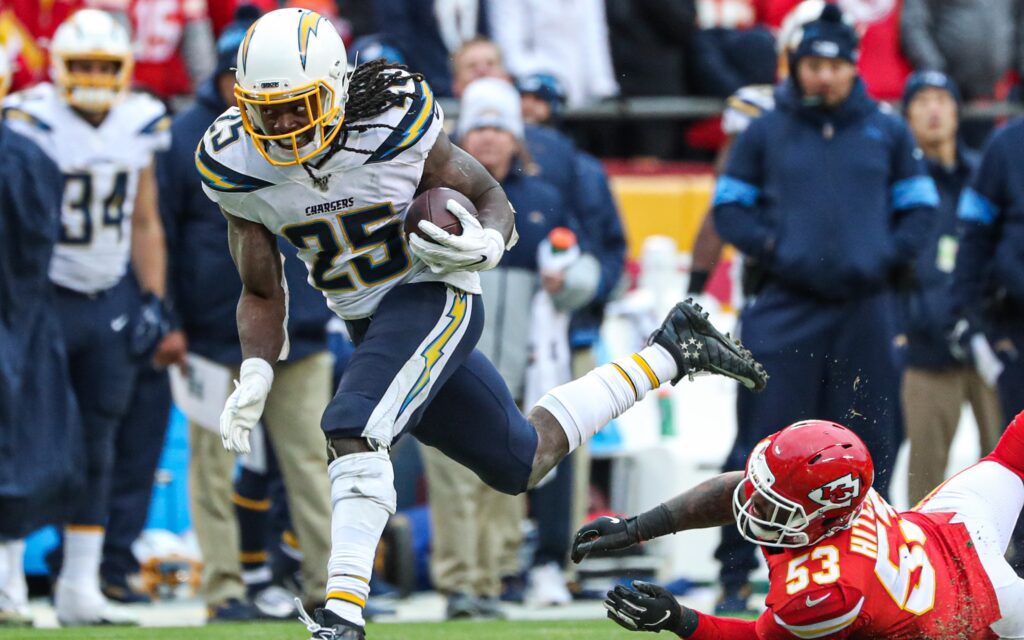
x=692 y=108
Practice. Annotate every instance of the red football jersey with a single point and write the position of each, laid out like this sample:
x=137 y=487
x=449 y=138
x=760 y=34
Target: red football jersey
x=891 y=575
x=26 y=27
x=158 y=29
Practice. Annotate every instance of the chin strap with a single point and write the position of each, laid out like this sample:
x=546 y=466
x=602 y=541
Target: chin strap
x=319 y=181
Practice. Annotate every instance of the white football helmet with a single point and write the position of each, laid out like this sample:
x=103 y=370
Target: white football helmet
x=5 y=73
x=292 y=56
x=792 y=28
x=91 y=35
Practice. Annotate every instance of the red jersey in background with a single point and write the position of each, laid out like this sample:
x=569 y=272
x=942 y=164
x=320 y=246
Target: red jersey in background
x=881 y=65
x=158 y=27
x=26 y=27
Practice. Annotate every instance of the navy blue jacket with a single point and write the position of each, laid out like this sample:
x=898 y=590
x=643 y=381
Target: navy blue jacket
x=555 y=156
x=412 y=26
x=581 y=180
x=928 y=309
x=605 y=239
x=539 y=209
x=37 y=483
x=830 y=201
x=203 y=280
x=991 y=257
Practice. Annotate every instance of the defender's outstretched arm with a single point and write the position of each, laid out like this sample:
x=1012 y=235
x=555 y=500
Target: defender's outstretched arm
x=709 y=504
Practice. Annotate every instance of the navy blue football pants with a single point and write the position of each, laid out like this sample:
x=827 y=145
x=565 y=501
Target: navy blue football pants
x=415 y=370
x=830 y=361
x=138 y=443
x=96 y=333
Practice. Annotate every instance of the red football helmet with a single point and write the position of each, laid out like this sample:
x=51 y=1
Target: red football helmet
x=803 y=484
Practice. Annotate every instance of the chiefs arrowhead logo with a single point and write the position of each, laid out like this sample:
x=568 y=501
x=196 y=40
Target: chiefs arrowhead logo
x=838 y=493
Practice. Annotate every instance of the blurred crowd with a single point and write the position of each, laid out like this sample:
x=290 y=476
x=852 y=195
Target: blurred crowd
x=614 y=48
x=884 y=302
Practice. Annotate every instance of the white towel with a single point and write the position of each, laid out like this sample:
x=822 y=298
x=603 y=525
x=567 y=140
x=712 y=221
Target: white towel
x=550 y=363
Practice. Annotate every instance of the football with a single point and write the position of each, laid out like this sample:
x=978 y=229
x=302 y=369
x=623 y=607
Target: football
x=430 y=205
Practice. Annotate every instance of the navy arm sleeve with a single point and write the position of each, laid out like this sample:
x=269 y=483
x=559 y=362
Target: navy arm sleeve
x=913 y=197
x=979 y=213
x=738 y=209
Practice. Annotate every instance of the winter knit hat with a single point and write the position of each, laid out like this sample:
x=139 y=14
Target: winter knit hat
x=490 y=102
x=830 y=36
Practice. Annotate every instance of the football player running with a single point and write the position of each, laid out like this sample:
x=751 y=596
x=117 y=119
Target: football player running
x=102 y=137
x=842 y=562
x=330 y=160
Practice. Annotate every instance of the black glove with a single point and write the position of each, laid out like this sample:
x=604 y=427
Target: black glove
x=151 y=324
x=605 y=534
x=649 y=608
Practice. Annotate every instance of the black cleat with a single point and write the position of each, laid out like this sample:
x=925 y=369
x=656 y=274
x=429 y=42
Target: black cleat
x=696 y=346
x=327 y=625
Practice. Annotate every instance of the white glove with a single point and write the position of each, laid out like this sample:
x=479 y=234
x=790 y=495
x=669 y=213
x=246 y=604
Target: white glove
x=245 y=406
x=477 y=249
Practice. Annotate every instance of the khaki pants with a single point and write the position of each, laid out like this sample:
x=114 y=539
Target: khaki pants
x=932 y=401
x=468 y=541
x=297 y=400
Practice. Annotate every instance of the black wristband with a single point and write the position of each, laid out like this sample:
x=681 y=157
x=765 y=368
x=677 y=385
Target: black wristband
x=698 y=280
x=655 y=523
x=688 y=620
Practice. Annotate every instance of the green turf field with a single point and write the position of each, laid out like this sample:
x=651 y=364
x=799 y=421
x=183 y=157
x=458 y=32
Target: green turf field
x=574 y=630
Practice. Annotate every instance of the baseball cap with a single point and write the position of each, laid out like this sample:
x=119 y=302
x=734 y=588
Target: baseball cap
x=920 y=80
x=231 y=38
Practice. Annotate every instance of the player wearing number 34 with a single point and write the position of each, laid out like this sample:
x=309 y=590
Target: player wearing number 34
x=102 y=137
x=330 y=160
x=842 y=562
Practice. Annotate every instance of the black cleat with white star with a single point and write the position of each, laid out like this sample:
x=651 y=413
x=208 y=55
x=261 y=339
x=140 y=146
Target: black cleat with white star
x=697 y=346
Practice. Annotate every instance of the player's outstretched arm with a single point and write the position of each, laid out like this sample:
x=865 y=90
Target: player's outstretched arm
x=709 y=504
x=261 y=316
x=649 y=607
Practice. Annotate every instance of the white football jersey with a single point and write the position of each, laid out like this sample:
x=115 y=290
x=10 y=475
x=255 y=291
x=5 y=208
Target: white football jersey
x=101 y=167
x=745 y=106
x=349 y=233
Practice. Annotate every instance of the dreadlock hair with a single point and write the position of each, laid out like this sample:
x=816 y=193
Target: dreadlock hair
x=368 y=90
x=369 y=95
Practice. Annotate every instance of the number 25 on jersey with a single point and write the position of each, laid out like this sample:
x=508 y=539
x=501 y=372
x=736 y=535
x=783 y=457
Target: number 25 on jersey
x=382 y=253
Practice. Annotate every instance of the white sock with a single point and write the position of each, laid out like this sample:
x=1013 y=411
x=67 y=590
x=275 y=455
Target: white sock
x=83 y=550
x=362 y=499
x=582 y=407
x=15 y=586
x=6 y=571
